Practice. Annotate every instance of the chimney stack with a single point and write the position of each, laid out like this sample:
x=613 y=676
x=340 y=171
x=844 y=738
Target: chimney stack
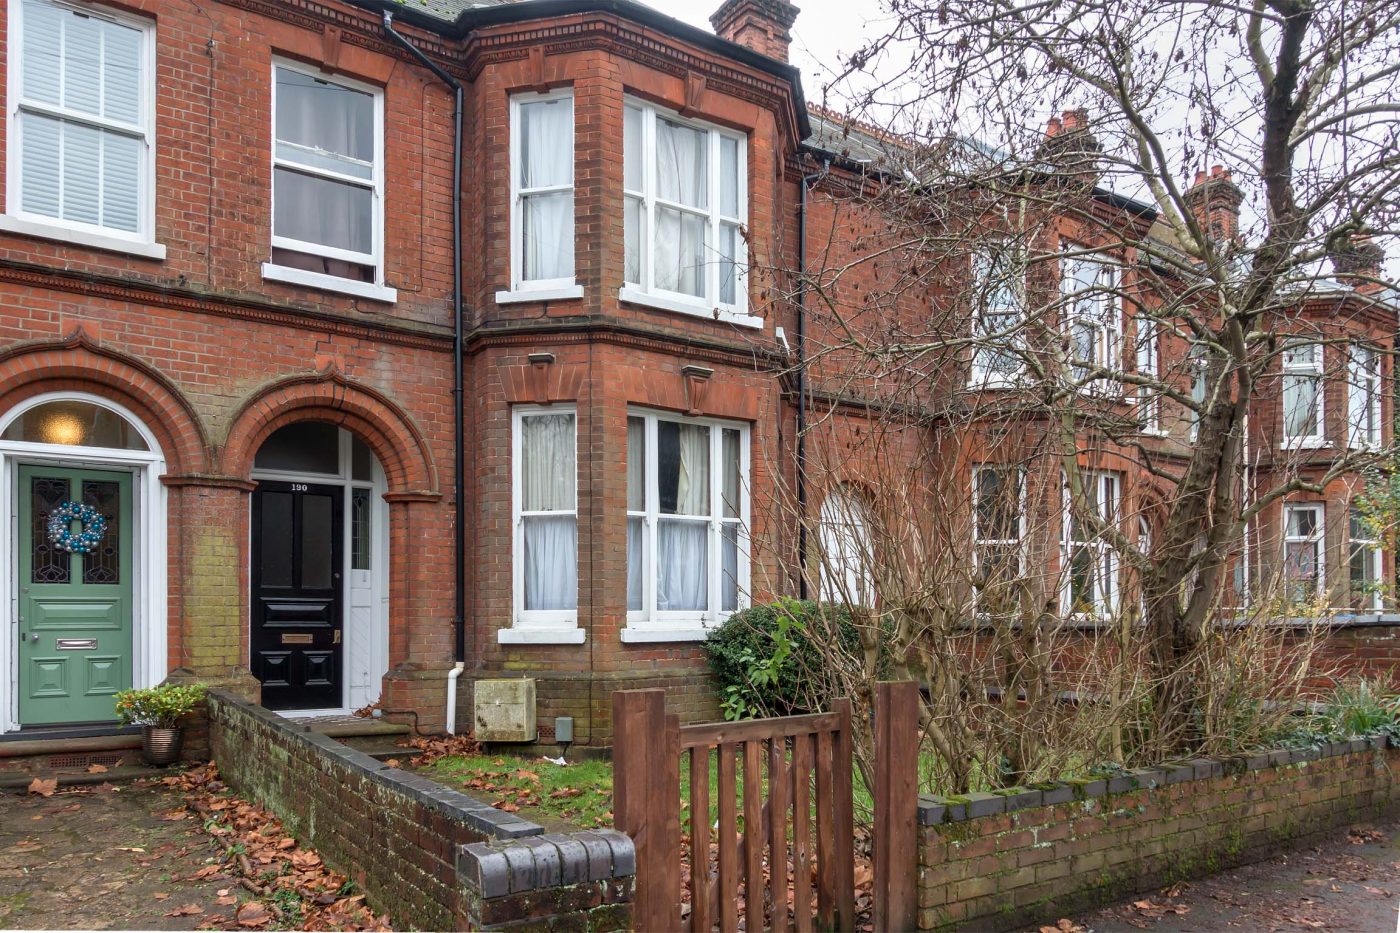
x=1070 y=146
x=1214 y=200
x=1357 y=263
x=761 y=25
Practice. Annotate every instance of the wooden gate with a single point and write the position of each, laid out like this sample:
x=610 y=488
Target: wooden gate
x=777 y=846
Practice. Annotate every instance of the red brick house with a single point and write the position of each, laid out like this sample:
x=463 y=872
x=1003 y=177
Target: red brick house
x=229 y=275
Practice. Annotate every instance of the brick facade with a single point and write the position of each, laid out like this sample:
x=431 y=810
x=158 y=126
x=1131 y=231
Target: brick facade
x=212 y=357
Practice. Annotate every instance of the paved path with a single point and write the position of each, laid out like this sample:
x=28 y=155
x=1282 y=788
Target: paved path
x=1351 y=882
x=108 y=857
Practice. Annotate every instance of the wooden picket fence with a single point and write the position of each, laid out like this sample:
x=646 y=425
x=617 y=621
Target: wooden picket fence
x=783 y=840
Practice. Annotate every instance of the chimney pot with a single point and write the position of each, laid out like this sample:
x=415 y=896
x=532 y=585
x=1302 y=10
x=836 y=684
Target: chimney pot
x=1215 y=203
x=1053 y=127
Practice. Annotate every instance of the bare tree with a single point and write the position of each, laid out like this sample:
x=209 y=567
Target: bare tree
x=1150 y=356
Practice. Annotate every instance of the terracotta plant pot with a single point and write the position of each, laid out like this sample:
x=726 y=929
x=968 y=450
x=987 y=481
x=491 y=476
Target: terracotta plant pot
x=161 y=746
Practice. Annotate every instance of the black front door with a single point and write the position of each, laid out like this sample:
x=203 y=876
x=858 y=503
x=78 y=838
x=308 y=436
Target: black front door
x=297 y=617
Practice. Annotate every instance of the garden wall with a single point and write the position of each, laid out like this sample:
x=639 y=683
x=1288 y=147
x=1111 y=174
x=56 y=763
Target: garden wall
x=429 y=856
x=1001 y=862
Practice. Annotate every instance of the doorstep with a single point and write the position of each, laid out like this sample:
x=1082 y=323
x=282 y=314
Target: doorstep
x=68 y=753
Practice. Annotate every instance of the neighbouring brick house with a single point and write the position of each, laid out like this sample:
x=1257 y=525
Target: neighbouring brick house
x=227 y=264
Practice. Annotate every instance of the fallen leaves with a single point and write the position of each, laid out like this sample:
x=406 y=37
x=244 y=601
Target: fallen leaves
x=290 y=886
x=44 y=787
x=1362 y=835
x=185 y=910
x=96 y=768
x=432 y=747
x=1063 y=925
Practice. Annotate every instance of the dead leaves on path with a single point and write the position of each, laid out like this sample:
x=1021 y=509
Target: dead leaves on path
x=432 y=747
x=291 y=887
x=44 y=787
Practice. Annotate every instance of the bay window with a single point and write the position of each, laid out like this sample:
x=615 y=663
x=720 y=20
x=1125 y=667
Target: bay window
x=542 y=197
x=544 y=467
x=685 y=200
x=1093 y=317
x=998 y=286
x=1365 y=562
x=1302 y=395
x=81 y=126
x=687 y=511
x=1363 y=397
x=1302 y=551
x=1088 y=561
x=327 y=183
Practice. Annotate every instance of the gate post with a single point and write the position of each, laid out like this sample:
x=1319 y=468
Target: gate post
x=647 y=802
x=896 y=805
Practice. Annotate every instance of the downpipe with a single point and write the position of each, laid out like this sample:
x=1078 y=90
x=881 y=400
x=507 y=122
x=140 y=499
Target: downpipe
x=452 y=676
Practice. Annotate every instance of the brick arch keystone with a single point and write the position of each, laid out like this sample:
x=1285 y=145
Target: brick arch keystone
x=81 y=363
x=329 y=396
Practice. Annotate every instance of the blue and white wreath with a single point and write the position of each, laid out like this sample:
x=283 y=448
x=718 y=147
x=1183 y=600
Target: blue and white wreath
x=61 y=532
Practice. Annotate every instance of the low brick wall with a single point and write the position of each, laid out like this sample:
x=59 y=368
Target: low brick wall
x=429 y=856
x=991 y=861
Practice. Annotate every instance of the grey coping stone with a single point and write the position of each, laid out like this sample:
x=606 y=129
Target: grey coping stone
x=1280 y=757
x=522 y=868
x=1059 y=794
x=486 y=868
x=624 y=853
x=932 y=809
x=1148 y=778
x=956 y=811
x=599 y=855
x=549 y=871
x=1179 y=774
x=1095 y=788
x=517 y=829
x=1023 y=800
x=1310 y=753
x=1358 y=745
x=1256 y=760
x=1122 y=784
x=982 y=804
x=573 y=858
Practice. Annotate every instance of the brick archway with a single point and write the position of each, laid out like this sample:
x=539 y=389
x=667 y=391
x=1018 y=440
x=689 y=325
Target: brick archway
x=372 y=416
x=79 y=363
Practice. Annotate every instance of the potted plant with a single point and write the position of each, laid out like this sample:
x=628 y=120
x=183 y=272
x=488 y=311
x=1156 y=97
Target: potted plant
x=158 y=711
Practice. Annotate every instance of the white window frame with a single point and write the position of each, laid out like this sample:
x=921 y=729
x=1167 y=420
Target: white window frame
x=376 y=290
x=536 y=626
x=537 y=289
x=1105 y=322
x=978 y=540
x=1108 y=490
x=15 y=219
x=650 y=624
x=1363 y=396
x=981 y=262
x=844 y=536
x=1149 y=349
x=1304 y=370
x=1317 y=539
x=646 y=292
x=1375 y=556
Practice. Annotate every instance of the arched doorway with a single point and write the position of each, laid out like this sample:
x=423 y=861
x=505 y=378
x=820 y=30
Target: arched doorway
x=319 y=598
x=84 y=559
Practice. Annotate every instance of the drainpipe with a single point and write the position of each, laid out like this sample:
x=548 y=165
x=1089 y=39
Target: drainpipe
x=799 y=351
x=458 y=427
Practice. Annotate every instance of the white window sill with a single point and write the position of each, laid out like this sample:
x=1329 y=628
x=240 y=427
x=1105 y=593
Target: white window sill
x=633 y=636
x=540 y=636
x=524 y=295
x=1304 y=443
x=329 y=283
x=80 y=237
x=694 y=308
x=995 y=383
x=1154 y=432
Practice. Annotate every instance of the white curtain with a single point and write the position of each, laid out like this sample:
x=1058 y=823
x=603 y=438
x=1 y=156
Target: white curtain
x=636 y=502
x=1300 y=406
x=693 y=485
x=681 y=177
x=548 y=477
x=682 y=565
x=1362 y=381
x=636 y=551
x=547 y=160
x=845 y=542
x=729 y=557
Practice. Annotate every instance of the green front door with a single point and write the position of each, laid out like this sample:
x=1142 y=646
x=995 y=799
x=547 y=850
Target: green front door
x=75 y=609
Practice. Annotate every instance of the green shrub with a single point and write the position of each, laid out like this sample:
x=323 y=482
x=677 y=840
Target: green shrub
x=157 y=706
x=769 y=661
x=1364 y=707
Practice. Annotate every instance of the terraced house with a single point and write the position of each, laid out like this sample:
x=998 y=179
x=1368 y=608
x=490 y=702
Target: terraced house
x=393 y=347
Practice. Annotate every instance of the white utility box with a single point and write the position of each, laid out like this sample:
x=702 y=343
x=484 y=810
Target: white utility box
x=504 y=710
